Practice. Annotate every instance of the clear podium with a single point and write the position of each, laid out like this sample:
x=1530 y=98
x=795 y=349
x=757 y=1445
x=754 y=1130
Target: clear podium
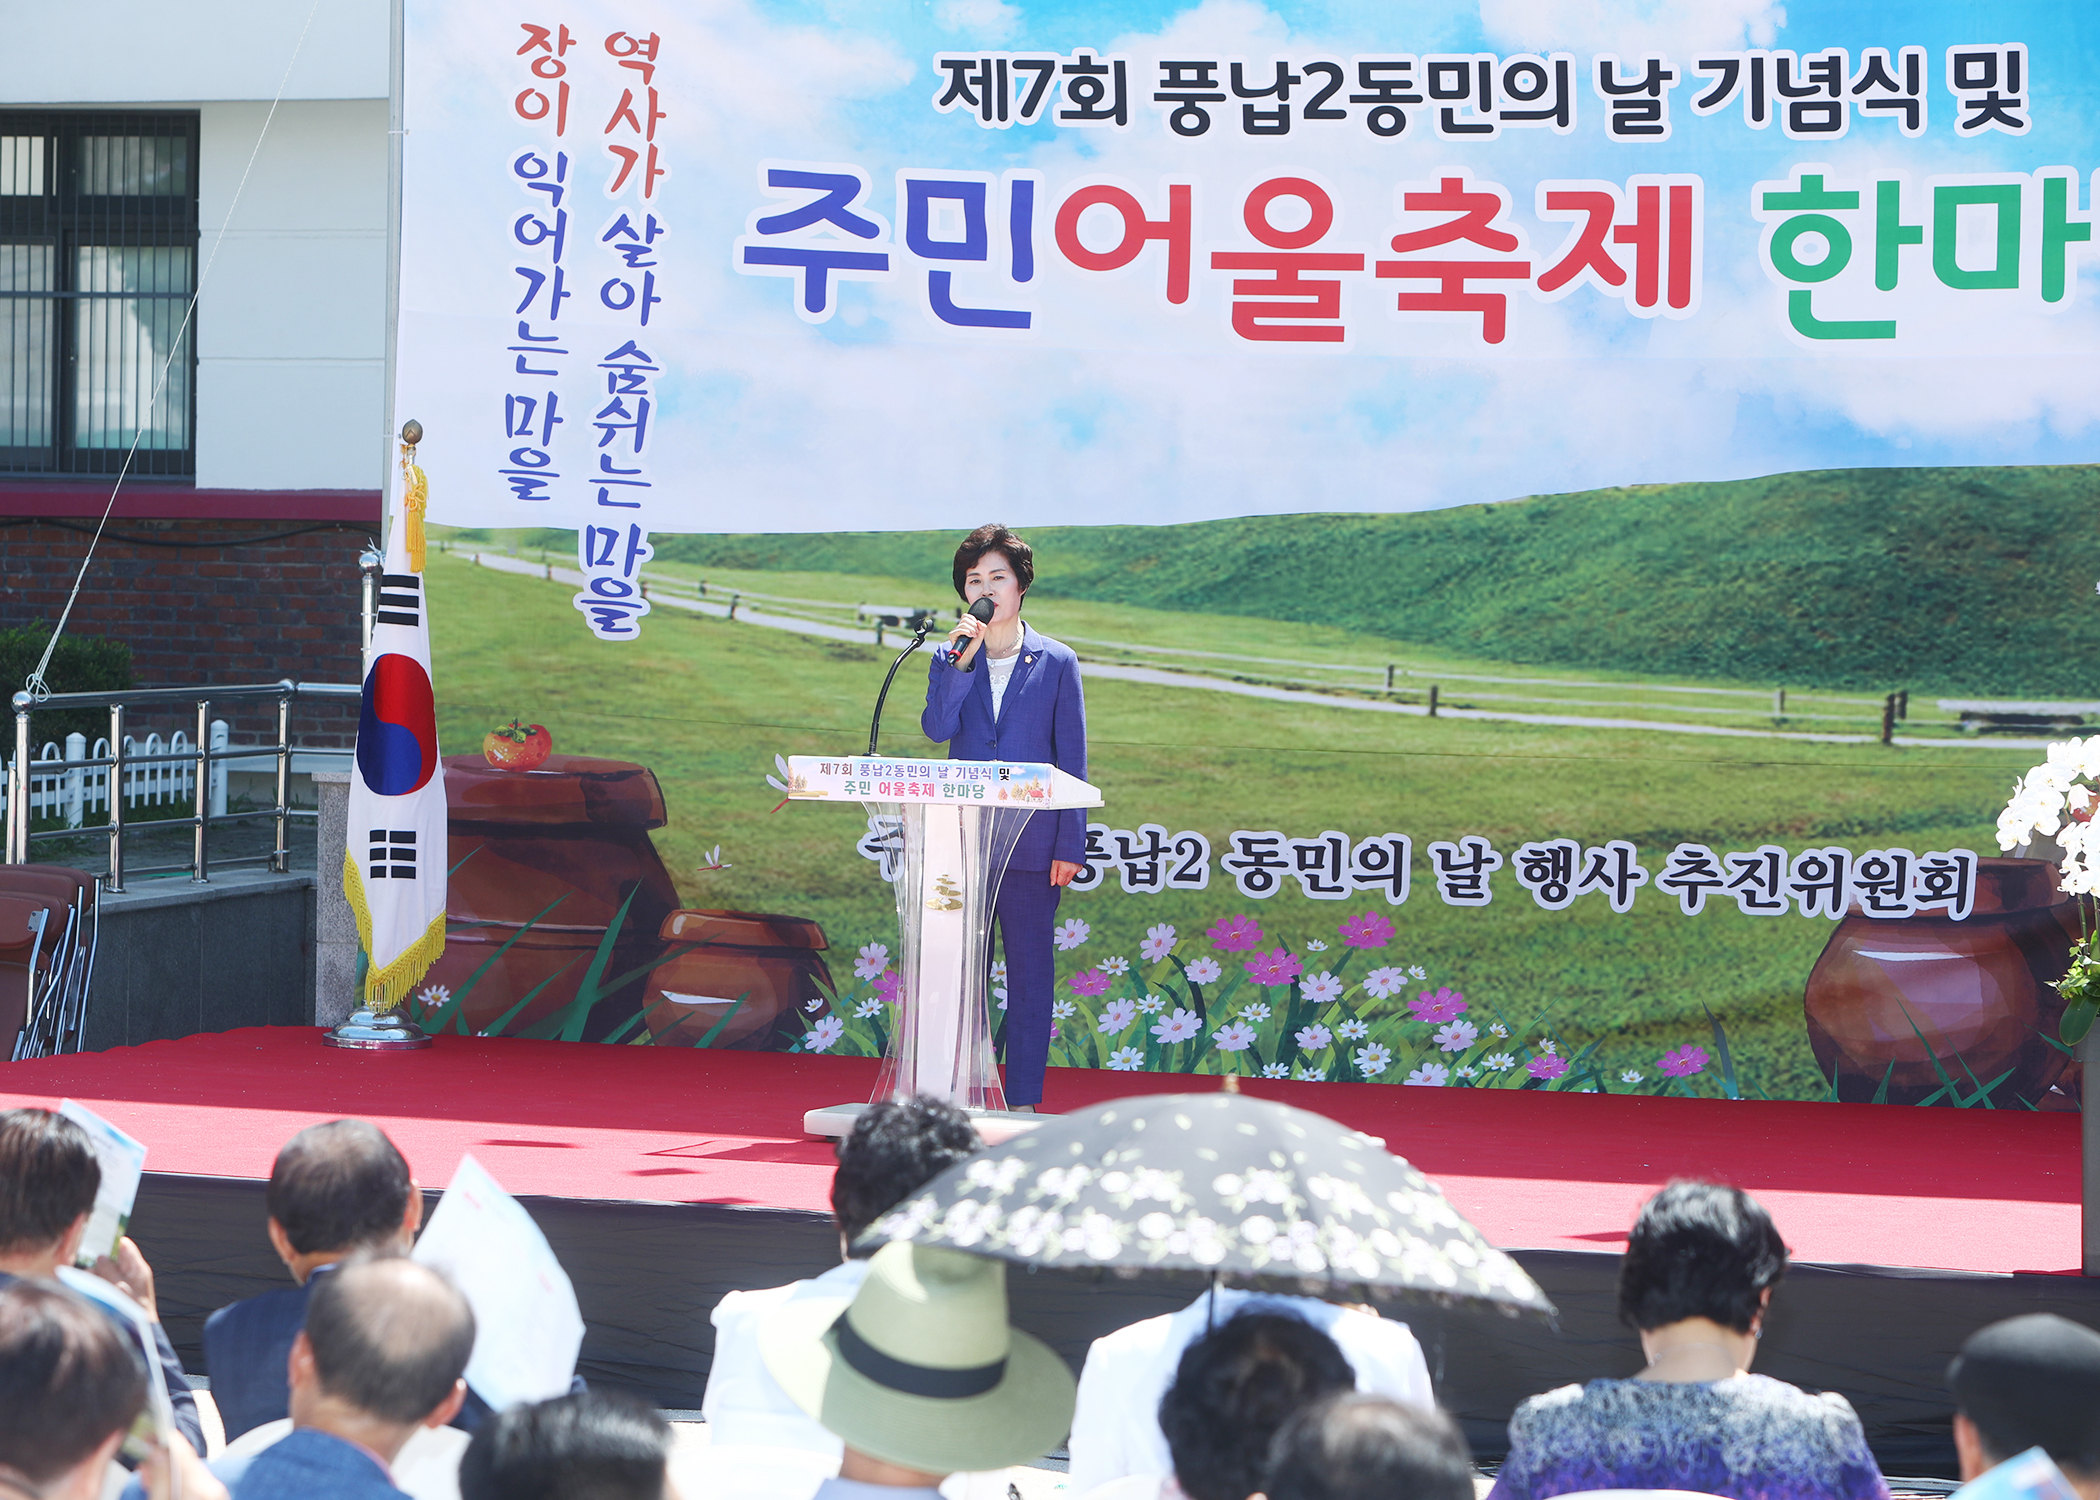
x=961 y=820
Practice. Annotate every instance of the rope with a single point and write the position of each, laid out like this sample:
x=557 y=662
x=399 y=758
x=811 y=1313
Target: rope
x=34 y=684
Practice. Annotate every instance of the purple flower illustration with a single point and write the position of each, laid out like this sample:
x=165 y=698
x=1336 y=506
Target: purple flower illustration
x=1683 y=1062
x=1367 y=931
x=1548 y=1066
x=1087 y=982
x=1280 y=967
x=1438 y=1005
x=1235 y=935
x=886 y=985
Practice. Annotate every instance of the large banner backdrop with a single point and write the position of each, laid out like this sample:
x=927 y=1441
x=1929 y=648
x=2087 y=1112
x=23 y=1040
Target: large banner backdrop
x=674 y=268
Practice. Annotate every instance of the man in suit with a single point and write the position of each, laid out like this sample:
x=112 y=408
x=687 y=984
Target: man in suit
x=385 y=1344
x=337 y=1190
x=48 y=1181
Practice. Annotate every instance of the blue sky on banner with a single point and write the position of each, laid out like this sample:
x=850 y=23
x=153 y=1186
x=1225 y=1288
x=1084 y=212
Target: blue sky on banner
x=1117 y=407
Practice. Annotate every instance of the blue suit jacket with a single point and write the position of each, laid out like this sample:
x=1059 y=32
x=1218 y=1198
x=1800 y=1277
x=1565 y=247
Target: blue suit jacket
x=1042 y=717
x=307 y=1464
x=246 y=1349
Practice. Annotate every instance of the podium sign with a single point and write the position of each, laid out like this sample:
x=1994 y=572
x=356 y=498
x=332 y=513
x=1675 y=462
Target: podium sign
x=961 y=819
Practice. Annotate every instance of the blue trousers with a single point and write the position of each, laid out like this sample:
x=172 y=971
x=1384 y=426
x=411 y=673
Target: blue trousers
x=1026 y=910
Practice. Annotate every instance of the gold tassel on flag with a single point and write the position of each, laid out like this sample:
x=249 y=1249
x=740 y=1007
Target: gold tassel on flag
x=415 y=498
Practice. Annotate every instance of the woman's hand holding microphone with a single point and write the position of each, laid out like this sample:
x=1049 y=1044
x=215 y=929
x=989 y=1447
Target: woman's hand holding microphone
x=967 y=638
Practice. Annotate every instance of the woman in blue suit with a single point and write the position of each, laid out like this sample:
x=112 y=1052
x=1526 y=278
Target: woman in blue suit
x=1022 y=702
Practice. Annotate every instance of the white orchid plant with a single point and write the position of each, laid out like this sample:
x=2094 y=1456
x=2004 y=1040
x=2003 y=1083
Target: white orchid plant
x=2057 y=800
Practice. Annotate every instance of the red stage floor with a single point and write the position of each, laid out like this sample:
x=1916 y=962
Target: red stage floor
x=1951 y=1189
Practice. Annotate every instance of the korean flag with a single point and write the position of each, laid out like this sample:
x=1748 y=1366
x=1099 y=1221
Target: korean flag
x=394 y=865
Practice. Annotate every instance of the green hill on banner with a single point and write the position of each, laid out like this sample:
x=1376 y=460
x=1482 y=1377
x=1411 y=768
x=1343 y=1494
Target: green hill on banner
x=1968 y=581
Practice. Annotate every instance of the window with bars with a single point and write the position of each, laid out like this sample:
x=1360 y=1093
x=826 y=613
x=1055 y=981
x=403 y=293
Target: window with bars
x=98 y=261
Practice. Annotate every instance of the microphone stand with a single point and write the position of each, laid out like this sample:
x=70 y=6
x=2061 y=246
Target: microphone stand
x=926 y=624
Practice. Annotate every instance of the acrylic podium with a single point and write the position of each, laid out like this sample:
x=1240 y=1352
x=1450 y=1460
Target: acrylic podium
x=961 y=819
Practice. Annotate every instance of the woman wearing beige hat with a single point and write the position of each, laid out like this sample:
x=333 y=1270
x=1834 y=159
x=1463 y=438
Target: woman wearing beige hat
x=919 y=1374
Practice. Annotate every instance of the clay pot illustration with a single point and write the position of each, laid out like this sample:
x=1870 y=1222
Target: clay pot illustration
x=752 y=972
x=576 y=827
x=1976 y=992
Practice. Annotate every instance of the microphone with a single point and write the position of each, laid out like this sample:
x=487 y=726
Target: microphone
x=982 y=610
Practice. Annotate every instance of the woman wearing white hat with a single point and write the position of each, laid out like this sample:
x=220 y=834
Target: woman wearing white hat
x=919 y=1374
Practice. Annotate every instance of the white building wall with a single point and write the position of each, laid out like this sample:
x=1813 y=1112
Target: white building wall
x=291 y=320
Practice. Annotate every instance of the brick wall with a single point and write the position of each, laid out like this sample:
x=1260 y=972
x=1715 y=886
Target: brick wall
x=199 y=601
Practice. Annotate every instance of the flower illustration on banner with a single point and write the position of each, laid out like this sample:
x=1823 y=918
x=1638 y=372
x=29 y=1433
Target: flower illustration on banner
x=1158 y=942
x=1417 y=972
x=1549 y=1046
x=1205 y=971
x=999 y=972
x=1430 y=1076
x=434 y=995
x=1178 y=1027
x=1315 y=945
x=1630 y=1076
x=824 y=1034
x=1353 y=1030
x=1234 y=1038
x=1320 y=989
x=1500 y=1031
x=1088 y=982
x=1152 y=1005
x=1235 y=935
x=1442 y=1004
x=1383 y=984
x=1309 y=1075
x=1373 y=1060
x=1276 y=1070
x=887 y=984
x=1498 y=1062
x=1467 y=1072
x=1070 y=934
x=1457 y=1036
x=1548 y=1066
x=1063 y=1010
x=1256 y=1013
x=872 y=960
x=1683 y=1062
x=814 y=1006
x=1279 y=967
x=1367 y=931
x=1127 y=1059
x=1118 y=1016
x=1314 y=1038
x=1116 y=966
x=867 y=1008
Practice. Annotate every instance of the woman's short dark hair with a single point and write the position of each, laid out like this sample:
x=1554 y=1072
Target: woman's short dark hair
x=1699 y=1250
x=992 y=537
x=1234 y=1389
x=593 y=1445
x=896 y=1148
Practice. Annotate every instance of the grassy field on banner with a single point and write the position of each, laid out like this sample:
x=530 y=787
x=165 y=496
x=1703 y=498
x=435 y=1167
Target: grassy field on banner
x=707 y=703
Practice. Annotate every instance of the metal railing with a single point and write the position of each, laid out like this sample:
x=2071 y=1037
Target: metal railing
x=119 y=770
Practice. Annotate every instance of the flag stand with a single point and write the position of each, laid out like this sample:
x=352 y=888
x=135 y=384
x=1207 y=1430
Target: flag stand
x=376 y=1031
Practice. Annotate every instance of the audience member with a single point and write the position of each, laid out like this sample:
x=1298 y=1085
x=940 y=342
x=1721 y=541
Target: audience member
x=1696 y=1281
x=592 y=1446
x=895 y=1149
x=381 y=1355
x=2030 y=1382
x=337 y=1190
x=919 y=1374
x=48 y=1180
x=1235 y=1388
x=1115 y=1431
x=1357 y=1447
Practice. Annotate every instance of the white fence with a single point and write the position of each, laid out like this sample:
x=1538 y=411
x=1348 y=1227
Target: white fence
x=63 y=785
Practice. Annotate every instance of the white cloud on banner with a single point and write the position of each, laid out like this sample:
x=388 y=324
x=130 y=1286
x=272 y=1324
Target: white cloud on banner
x=979 y=20
x=1674 y=28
